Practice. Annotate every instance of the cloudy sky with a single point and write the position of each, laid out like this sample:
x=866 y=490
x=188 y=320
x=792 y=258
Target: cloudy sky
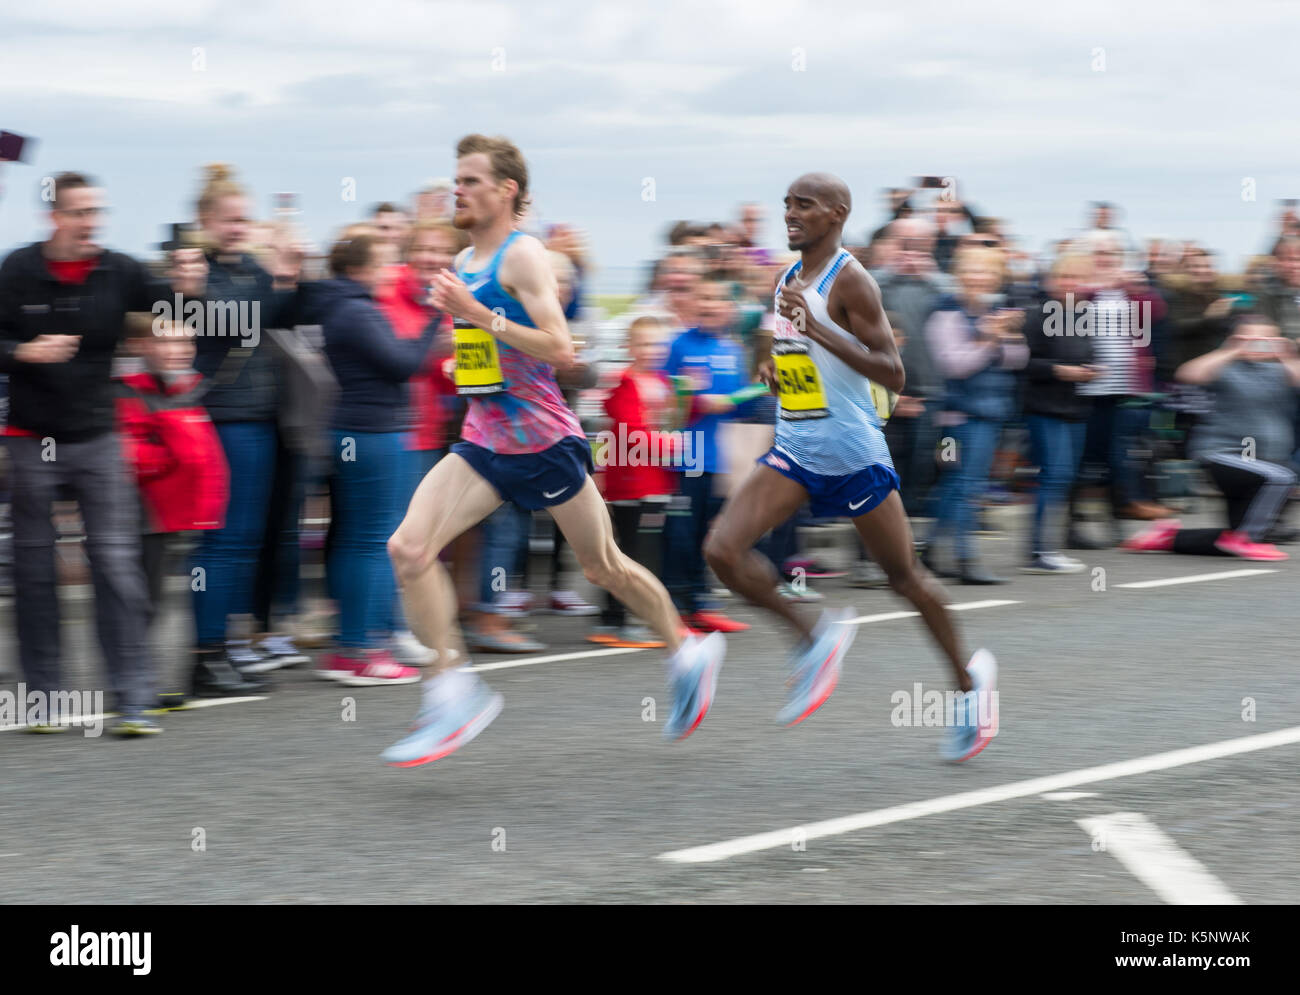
x=1035 y=108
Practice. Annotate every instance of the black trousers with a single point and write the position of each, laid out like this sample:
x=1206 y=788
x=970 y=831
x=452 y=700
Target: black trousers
x=1256 y=492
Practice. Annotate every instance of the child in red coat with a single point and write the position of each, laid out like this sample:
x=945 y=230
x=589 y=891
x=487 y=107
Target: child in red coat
x=637 y=485
x=178 y=462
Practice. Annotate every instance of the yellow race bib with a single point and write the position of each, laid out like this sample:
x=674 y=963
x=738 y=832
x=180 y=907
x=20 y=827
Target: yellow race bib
x=884 y=400
x=799 y=383
x=478 y=364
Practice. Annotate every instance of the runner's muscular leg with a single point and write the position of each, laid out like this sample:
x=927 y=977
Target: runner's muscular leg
x=450 y=500
x=586 y=524
x=888 y=537
x=763 y=501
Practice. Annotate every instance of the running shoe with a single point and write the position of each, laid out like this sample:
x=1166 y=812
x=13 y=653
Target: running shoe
x=710 y=621
x=1157 y=539
x=976 y=721
x=410 y=652
x=134 y=724
x=372 y=668
x=1052 y=563
x=817 y=668
x=568 y=603
x=604 y=635
x=513 y=604
x=866 y=574
x=693 y=678
x=1240 y=544
x=801 y=595
x=446 y=726
x=506 y=641
x=278 y=651
x=636 y=637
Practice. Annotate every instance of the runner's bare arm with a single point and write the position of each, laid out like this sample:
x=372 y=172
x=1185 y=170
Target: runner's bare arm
x=526 y=275
x=856 y=295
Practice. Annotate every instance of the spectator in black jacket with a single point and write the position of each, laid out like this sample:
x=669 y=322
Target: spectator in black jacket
x=242 y=300
x=1056 y=414
x=372 y=366
x=63 y=305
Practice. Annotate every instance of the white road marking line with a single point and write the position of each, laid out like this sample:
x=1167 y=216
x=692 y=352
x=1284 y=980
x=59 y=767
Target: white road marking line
x=529 y=661
x=891 y=616
x=1197 y=578
x=983 y=796
x=107 y=716
x=1156 y=860
x=1068 y=796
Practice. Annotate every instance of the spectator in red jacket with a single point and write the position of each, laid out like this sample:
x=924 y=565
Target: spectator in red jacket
x=428 y=248
x=179 y=466
x=636 y=486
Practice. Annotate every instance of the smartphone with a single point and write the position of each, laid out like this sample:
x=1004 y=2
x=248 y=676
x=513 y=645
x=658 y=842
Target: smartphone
x=929 y=182
x=14 y=148
x=1263 y=346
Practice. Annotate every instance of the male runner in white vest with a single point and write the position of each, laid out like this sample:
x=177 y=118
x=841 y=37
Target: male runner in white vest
x=835 y=369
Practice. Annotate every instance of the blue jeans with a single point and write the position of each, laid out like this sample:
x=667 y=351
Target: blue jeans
x=505 y=546
x=1056 y=446
x=229 y=556
x=1114 y=430
x=418 y=464
x=962 y=485
x=685 y=528
x=368 y=492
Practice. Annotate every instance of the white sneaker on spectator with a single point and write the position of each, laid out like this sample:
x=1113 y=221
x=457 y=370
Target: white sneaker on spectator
x=280 y=651
x=410 y=651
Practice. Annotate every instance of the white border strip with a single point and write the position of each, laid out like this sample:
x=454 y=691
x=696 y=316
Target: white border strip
x=984 y=796
x=1152 y=857
x=1197 y=578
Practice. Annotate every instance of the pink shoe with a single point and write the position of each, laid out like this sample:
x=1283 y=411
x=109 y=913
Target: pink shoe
x=1157 y=539
x=379 y=667
x=1239 y=544
x=337 y=666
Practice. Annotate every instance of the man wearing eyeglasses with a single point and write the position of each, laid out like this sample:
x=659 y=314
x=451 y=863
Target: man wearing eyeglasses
x=63 y=304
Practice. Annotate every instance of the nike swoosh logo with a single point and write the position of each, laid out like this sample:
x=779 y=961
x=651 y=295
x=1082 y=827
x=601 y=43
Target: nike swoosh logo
x=555 y=494
x=855 y=507
x=477 y=284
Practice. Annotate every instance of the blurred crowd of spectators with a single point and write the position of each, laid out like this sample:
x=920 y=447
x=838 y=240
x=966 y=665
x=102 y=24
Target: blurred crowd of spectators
x=1104 y=373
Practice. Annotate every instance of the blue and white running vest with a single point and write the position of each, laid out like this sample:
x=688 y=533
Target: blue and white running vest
x=828 y=422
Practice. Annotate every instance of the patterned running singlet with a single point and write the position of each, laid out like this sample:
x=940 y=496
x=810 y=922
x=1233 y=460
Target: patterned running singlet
x=515 y=405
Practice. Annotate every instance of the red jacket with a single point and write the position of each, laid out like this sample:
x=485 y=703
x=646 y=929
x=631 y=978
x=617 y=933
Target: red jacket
x=175 y=452
x=629 y=413
x=433 y=393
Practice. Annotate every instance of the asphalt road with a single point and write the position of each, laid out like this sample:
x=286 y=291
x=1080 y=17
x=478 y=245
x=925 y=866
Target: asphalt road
x=571 y=796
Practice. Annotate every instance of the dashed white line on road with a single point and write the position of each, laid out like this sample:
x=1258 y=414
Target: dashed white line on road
x=1156 y=860
x=964 y=606
x=984 y=796
x=1197 y=578
x=1068 y=796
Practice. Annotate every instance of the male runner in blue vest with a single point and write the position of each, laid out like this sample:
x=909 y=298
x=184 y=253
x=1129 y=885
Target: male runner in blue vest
x=520 y=443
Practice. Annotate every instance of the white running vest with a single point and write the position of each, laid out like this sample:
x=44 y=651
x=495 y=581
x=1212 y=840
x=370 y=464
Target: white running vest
x=827 y=421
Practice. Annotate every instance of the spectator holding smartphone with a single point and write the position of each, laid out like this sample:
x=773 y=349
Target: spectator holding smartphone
x=1055 y=411
x=1244 y=444
x=977 y=350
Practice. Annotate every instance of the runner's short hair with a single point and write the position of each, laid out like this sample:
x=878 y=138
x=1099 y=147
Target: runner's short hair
x=506 y=160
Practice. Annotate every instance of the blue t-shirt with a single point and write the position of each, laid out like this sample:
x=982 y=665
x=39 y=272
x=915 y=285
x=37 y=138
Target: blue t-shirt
x=716 y=365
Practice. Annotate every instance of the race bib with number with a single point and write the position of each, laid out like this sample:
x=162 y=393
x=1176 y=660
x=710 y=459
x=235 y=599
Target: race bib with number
x=799 y=384
x=478 y=365
x=884 y=400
